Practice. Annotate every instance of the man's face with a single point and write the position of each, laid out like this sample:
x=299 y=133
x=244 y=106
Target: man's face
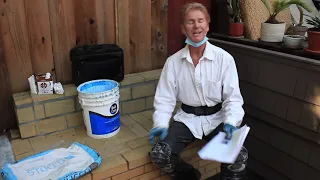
x=195 y=25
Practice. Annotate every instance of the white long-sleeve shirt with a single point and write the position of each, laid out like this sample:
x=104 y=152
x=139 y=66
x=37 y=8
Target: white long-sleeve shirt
x=212 y=81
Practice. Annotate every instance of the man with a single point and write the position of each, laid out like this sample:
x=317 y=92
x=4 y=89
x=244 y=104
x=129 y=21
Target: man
x=204 y=78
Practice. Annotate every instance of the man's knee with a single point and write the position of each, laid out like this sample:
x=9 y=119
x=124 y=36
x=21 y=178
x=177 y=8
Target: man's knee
x=161 y=155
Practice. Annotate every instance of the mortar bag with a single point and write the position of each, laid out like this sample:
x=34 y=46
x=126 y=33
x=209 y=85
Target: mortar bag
x=56 y=164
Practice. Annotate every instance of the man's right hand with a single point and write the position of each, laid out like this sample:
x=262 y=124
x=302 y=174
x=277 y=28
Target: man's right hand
x=162 y=132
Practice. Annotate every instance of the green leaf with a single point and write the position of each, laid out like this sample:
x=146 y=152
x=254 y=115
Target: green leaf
x=265 y=2
x=314 y=21
x=280 y=5
x=235 y=5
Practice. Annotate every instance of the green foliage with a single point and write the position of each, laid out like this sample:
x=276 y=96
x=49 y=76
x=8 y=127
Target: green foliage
x=280 y=5
x=315 y=22
x=265 y=2
x=235 y=5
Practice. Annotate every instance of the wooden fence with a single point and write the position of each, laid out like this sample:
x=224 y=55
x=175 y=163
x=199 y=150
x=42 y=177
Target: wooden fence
x=37 y=35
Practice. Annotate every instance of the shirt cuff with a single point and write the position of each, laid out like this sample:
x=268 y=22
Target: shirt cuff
x=231 y=121
x=161 y=121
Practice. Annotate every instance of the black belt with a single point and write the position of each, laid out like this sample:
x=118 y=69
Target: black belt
x=201 y=110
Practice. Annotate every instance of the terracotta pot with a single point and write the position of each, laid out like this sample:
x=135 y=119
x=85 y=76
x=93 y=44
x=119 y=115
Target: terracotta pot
x=314 y=39
x=236 y=29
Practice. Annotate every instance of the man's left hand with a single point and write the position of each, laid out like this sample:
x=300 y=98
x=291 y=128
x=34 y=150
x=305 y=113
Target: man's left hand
x=228 y=129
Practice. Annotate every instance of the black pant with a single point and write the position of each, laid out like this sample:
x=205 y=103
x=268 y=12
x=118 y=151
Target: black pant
x=166 y=153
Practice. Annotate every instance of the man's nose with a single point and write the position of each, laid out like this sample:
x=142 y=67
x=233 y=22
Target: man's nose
x=196 y=24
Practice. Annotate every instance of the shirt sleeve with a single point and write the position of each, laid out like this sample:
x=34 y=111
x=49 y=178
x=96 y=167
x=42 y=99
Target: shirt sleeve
x=165 y=96
x=232 y=98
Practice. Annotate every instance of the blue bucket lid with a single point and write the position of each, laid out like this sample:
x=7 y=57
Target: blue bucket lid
x=97 y=86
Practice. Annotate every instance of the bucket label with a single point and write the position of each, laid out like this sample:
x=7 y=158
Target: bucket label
x=113 y=108
x=101 y=125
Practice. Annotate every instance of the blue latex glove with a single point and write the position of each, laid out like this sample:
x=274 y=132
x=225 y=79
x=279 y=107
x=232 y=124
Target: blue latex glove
x=162 y=132
x=228 y=129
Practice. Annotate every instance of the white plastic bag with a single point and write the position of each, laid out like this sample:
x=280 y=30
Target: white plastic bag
x=62 y=163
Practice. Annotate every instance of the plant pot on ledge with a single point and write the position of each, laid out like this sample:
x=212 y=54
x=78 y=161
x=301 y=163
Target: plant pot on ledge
x=314 y=40
x=236 y=29
x=314 y=35
x=272 y=30
x=299 y=29
x=293 y=41
x=236 y=26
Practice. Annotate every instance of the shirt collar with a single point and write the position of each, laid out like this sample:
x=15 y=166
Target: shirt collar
x=208 y=52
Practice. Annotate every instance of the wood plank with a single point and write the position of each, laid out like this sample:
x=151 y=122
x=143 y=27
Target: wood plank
x=123 y=33
x=14 y=35
x=6 y=107
x=38 y=23
x=140 y=35
x=159 y=37
x=175 y=36
x=85 y=22
x=63 y=37
x=110 y=21
x=100 y=20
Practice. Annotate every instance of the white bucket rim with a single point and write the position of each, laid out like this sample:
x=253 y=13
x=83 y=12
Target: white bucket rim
x=110 y=80
x=108 y=93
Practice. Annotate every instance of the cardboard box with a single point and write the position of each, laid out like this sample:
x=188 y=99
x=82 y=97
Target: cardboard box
x=44 y=84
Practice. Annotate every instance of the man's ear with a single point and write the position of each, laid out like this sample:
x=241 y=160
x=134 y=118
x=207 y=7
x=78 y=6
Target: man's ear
x=183 y=29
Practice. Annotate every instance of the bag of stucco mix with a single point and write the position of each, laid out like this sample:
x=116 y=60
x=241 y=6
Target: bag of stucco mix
x=57 y=164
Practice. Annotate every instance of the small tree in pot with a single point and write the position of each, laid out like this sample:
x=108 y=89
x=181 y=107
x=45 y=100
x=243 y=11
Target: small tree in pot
x=236 y=26
x=295 y=35
x=314 y=33
x=272 y=30
x=299 y=29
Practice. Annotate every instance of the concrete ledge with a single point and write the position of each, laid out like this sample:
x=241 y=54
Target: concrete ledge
x=282 y=105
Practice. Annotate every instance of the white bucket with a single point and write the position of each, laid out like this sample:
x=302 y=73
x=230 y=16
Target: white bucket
x=99 y=100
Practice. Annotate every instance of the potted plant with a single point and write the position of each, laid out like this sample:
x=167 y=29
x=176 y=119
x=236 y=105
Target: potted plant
x=293 y=41
x=272 y=30
x=299 y=29
x=236 y=26
x=314 y=33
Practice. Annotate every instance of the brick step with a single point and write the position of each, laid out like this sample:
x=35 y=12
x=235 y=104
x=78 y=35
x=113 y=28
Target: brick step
x=44 y=114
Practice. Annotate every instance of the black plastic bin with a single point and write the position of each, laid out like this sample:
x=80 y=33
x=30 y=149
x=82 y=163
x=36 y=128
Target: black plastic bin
x=91 y=62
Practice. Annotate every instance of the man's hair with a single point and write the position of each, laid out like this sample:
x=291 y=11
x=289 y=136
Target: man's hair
x=193 y=6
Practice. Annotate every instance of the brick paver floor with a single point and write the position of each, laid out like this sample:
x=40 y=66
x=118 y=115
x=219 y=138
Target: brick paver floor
x=125 y=155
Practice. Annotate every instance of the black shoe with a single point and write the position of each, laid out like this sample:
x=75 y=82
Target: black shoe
x=193 y=174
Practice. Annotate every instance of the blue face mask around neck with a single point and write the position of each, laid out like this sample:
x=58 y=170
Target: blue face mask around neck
x=191 y=43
